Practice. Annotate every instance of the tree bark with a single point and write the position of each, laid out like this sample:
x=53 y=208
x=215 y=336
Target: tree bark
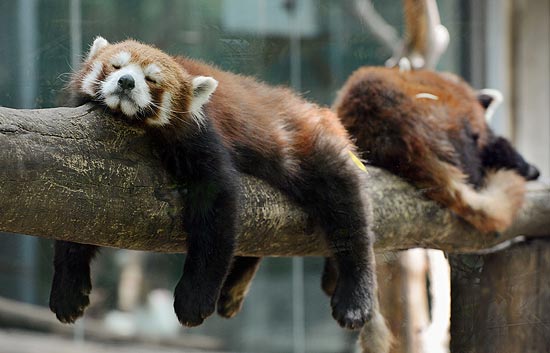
x=81 y=175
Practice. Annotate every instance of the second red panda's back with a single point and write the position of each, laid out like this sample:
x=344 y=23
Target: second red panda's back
x=430 y=129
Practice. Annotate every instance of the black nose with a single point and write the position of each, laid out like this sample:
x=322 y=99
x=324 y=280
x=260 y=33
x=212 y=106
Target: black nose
x=126 y=82
x=533 y=173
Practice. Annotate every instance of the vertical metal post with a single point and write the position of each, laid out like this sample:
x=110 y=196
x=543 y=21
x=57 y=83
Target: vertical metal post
x=28 y=77
x=76 y=33
x=337 y=35
x=298 y=302
x=498 y=65
x=75 y=29
x=28 y=68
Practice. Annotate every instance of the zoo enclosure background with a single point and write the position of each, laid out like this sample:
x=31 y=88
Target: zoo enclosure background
x=42 y=40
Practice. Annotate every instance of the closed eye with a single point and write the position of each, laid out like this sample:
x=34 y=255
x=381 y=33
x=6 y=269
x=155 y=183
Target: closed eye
x=150 y=79
x=115 y=66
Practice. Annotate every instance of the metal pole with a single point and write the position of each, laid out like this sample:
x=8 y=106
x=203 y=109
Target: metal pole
x=75 y=30
x=298 y=302
x=28 y=77
x=76 y=33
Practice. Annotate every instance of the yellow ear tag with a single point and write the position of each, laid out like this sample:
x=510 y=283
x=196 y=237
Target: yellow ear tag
x=357 y=161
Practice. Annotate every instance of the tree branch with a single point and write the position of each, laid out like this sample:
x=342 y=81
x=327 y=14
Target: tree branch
x=425 y=40
x=80 y=175
x=385 y=33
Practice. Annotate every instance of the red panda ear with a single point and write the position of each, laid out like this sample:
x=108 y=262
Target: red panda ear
x=489 y=99
x=203 y=87
x=99 y=43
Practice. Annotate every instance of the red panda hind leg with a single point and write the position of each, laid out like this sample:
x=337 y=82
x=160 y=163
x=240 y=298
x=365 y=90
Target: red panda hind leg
x=330 y=185
x=236 y=285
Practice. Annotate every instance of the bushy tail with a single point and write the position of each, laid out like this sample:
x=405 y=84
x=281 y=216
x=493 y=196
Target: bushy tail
x=495 y=205
x=375 y=336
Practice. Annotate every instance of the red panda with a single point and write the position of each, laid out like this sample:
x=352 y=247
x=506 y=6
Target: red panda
x=430 y=129
x=208 y=125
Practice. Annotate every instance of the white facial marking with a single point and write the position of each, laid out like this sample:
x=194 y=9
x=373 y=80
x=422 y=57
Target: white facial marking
x=426 y=95
x=128 y=107
x=164 y=111
x=99 y=43
x=121 y=59
x=90 y=80
x=203 y=87
x=153 y=72
x=130 y=101
x=112 y=101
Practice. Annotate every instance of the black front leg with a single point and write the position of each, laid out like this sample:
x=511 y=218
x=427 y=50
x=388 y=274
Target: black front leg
x=71 y=283
x=210 y=220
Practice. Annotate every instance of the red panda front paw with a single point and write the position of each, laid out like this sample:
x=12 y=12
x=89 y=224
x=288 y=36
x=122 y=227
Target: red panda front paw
x=191 y=304
x=69 y=295
x=352 y=305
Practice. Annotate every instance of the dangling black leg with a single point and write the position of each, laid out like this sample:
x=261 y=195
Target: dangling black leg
x=352 y=300
x=210 y=220
x=71 y=283
x=335 y=198
x=236 y=285
x=211 y=229
x=329 y=277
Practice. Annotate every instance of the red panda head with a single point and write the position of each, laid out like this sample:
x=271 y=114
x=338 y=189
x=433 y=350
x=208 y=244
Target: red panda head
x=473 y=108
x=142 y=82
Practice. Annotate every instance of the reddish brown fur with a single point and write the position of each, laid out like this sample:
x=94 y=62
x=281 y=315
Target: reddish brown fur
x=412 y=137
x=253 y=113
x=244 y=110
x=268 y=132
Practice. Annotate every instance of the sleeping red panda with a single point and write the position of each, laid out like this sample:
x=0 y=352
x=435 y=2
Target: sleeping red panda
x=430 y=128
x=208 y=125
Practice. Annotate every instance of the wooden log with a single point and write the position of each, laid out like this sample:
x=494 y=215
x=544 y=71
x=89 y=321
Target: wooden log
x=81 y=175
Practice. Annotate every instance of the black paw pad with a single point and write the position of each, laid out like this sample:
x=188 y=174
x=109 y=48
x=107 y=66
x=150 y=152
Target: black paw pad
x=351 y=308
x=191 y=305
x=69 y=296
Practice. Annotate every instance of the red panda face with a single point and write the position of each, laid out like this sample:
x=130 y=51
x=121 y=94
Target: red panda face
x=143 y=83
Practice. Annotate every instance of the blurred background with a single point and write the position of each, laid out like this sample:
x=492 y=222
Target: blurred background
x=310 y=45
